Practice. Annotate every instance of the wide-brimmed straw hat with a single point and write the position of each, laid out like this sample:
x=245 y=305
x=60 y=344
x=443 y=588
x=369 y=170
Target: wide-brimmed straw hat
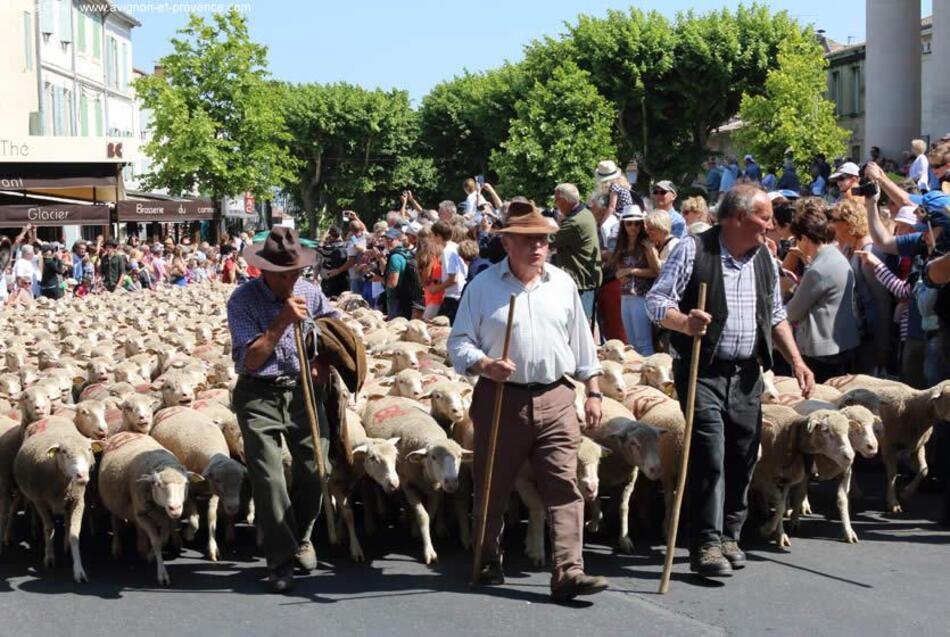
x=281 y=251
x=525 y=218
x=606 y=170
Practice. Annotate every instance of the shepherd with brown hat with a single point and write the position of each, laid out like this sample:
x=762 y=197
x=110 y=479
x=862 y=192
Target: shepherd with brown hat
x=550 y=341
x=270 y=403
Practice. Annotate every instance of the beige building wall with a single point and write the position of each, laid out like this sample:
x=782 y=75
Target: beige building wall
x=18 y=66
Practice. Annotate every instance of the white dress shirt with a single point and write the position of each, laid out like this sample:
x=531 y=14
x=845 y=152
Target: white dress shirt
x=550 y=336
x=920 y=172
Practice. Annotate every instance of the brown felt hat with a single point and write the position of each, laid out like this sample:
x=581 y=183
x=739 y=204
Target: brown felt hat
x=525 y=218
x=281 y=251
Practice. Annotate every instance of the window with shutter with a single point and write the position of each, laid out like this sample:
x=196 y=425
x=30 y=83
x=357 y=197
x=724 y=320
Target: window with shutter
x=28 y=40
x=96 y=38
x=68 y=126
x=98 y=116
x=57 y=110
x=47 y=16
x=84 y=115
x=124 y=57
x=80 y=31
x=65 y=29
x=109 y=61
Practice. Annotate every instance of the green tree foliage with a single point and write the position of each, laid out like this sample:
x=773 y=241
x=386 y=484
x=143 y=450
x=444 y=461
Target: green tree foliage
x=354 y=148
x=215 y=126
x=561 y=129
x=792 y=113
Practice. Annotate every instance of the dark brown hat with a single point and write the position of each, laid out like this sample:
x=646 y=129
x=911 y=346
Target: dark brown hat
x=525 y=218
x=339 y=347
x=280 y=252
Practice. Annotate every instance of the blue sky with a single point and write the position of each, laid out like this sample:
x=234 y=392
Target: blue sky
x=415 y=44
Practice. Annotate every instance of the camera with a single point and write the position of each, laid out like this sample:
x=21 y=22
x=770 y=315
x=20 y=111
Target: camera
x=865 y=189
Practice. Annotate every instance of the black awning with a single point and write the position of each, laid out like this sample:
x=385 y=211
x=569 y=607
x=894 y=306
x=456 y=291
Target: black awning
x=44 y=214
x=23 y=176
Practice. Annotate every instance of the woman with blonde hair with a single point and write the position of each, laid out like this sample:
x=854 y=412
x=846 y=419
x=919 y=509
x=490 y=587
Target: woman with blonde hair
x=613 y=184
x=873 y=302
x=920 y=168
x=659 y=227
x=695 y=210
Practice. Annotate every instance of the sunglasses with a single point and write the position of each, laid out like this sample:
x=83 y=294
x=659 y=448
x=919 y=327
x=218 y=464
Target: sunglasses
x=658 y=192
x=632 y=222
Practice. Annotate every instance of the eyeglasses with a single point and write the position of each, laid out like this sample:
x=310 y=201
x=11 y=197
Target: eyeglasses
x=659 y=191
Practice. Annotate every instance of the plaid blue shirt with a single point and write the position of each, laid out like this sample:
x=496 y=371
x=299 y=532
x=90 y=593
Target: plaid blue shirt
x=253 y=307
x=738 y=334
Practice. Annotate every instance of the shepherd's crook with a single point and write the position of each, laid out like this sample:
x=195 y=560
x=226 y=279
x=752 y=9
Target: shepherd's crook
x=684 y=460
x=310 y=401
x=482 y=519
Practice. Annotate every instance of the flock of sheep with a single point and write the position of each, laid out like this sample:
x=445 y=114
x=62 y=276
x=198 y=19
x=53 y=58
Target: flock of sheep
x=115 y=411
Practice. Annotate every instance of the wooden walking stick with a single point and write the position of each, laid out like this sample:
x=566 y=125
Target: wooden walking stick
x=482 y=519
x=309 y=400
x=684 y=461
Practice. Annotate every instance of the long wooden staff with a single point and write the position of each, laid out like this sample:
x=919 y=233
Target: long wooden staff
x=482 y=520
x=306 y=380
x=684 y=460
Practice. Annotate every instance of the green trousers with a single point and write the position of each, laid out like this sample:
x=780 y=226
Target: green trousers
x=264 y=411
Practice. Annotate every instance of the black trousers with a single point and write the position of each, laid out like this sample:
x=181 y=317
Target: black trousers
x=724 y=447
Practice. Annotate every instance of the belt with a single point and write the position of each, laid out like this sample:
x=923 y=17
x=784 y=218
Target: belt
x=535 y=387
x=282 y=381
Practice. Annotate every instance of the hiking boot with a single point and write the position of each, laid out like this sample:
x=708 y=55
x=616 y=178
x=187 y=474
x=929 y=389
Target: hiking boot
x=306 y=556
x=580 y=584
x=281 y=578
x=491 y=574
x=735 y=555
x=708 y=561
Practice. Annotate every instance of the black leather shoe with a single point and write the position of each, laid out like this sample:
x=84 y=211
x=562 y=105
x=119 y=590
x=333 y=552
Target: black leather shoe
x=708 y=561
x=281 y=579
x=491 y=575
x=578 y=585
x=735 y=555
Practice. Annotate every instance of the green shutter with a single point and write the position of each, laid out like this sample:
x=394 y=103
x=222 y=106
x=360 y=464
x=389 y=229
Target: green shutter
x=124 y=78
x=108 y=61
x=65 y=20
x=81 y=31
x=47 y=19
x=96 y=38
x=28 y=40
x=83 y=115
x=99 y=117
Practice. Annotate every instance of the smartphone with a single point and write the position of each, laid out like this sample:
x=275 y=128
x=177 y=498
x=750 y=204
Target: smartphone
x=480 y=180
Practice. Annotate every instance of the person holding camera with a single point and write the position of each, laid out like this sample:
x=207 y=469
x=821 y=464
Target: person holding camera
x=847 y=177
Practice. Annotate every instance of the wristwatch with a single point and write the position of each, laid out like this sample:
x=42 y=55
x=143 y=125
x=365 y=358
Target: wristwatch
x=595 y=394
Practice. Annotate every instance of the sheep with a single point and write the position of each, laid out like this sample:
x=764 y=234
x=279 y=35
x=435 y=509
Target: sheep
x=89 y=417
x=657 y=371
x=908 y=416
x=417 y=332
x=612 y=382
x=862 y=381
x=615 y=350
x=372 y=457
x=201 y=447
x=428 y=463
x=786 y=437
x=137 y=414
x=11 y=437
x=136 y=476
x=787 y=385
x=589 y=455
x=178 y=387
x=52 y=472
x=631 y=446
x=35 y=404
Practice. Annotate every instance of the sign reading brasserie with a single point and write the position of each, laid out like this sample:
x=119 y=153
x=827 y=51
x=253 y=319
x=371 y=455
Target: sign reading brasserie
x=147 y=211
x=17 y=216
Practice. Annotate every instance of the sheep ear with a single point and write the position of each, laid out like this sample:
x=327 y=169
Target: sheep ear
x=147 y=477
x=417 y=456
x=468 y=391
x=467 y=456
x=936 y=391
x=52 y=451
x=96 y=446
x=394 y=441
x=387 y=382
x=195 y=478
x=360 y=450
x=604 y=451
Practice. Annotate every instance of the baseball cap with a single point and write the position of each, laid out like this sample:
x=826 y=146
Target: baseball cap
x=412 y=228
x=847 y=169
x=394 y=233
x=666 y=185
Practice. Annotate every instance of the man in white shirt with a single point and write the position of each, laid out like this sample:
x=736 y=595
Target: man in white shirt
x=454 y=270
x=550 y=338
x=24 y=270
x=920 y=169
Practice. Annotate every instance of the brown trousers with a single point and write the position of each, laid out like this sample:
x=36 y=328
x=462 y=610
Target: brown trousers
x=539 y=426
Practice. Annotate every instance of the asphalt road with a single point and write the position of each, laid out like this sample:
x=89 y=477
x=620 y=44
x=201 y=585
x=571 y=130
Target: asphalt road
x=895 y=582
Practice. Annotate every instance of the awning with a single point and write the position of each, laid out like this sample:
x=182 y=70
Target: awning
x=53 y=214
x=85 y=181
x=165 y=211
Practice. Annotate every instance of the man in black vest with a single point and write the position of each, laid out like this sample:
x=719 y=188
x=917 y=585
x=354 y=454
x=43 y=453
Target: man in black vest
x=744 y=317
